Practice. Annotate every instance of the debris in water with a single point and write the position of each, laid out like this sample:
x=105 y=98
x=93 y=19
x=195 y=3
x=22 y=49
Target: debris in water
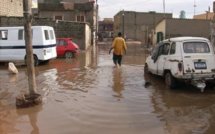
x=27 y=100
x=12 y=68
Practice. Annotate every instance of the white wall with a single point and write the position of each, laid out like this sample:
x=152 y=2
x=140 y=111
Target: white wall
x=87 y=36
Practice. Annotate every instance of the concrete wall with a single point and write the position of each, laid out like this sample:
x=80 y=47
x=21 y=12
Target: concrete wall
x=187 y=27
x=206 y=16
x=79 y=32
x=69 y=16
x=183 y=27
x=11 y=8
x=137 y=25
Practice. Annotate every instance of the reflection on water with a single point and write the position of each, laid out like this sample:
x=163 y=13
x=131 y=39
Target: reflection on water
x=184 y=110
x=118 y=84
x=31 y=116
x=87 y=95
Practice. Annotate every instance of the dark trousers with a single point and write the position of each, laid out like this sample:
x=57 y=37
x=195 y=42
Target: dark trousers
x=117 y=59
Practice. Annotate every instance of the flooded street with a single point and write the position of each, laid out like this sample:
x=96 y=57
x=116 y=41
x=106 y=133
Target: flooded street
x=87 y=95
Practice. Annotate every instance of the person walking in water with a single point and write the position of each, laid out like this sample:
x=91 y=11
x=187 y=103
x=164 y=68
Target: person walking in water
x=119 y=48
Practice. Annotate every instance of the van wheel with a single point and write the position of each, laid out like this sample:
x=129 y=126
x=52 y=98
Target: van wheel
x=46 y=61
x=146 y=69
x=36 y=61
x=68 y=55
x=170 y=81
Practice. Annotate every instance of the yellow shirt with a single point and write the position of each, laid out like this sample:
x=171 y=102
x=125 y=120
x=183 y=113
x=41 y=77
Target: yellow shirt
x=119 y=46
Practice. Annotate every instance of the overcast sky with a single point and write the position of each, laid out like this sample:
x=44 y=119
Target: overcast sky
x=108 y=8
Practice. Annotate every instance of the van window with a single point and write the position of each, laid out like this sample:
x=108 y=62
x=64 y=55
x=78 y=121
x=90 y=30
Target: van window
x=165 y=49
x=172 y=49
x=155 y=53
x=46 y=34
x=196 y=47
x=3 y=34
x=51 y=34
x=21 y=34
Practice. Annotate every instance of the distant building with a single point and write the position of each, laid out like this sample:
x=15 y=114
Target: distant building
x=83 y=12
x=105 y=29
x=71 y=10
x=168 y=28
x=78 y=1
x=11 y=8
x=58 y=1
x=137 y=25
x=205 y=16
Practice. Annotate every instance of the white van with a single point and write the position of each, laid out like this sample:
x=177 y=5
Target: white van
x=12 y=44
x=189 y=59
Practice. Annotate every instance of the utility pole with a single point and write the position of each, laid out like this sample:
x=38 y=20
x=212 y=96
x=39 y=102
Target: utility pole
x=194 y=6
x=123 y=23
x=32 y=98
x=164 y=8
x=28 y=43
x=97 y=16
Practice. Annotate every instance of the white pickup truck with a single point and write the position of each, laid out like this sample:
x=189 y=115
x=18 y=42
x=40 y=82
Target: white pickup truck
x=189 y=59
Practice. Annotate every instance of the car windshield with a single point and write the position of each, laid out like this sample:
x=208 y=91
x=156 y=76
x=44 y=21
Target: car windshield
x=196 y=47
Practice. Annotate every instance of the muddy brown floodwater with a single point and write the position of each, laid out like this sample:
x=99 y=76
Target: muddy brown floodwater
x=87 y=95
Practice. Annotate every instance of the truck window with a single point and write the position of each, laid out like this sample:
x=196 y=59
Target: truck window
x=196 y=47
x=3 y=34
x=21 y=34
x=46 y=34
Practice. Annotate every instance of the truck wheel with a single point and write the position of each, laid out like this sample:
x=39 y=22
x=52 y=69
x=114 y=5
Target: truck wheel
x=170 y=80
x=68 y=55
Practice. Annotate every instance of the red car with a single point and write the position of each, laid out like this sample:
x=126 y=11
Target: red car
x=66 y=48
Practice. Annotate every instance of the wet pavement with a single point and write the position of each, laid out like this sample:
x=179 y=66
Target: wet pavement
x=87 y=95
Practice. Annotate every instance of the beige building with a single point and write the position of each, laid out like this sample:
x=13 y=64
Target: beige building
x=137 y=25
x=78 y=1
x=68 y=10
x=74 y=1
x=205 y=16
x=83 y=12
x=168 y=28
x=71 y=10
x=11 y=8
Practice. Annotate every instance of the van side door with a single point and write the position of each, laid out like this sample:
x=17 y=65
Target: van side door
x=152 y=62
x=162 y=58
